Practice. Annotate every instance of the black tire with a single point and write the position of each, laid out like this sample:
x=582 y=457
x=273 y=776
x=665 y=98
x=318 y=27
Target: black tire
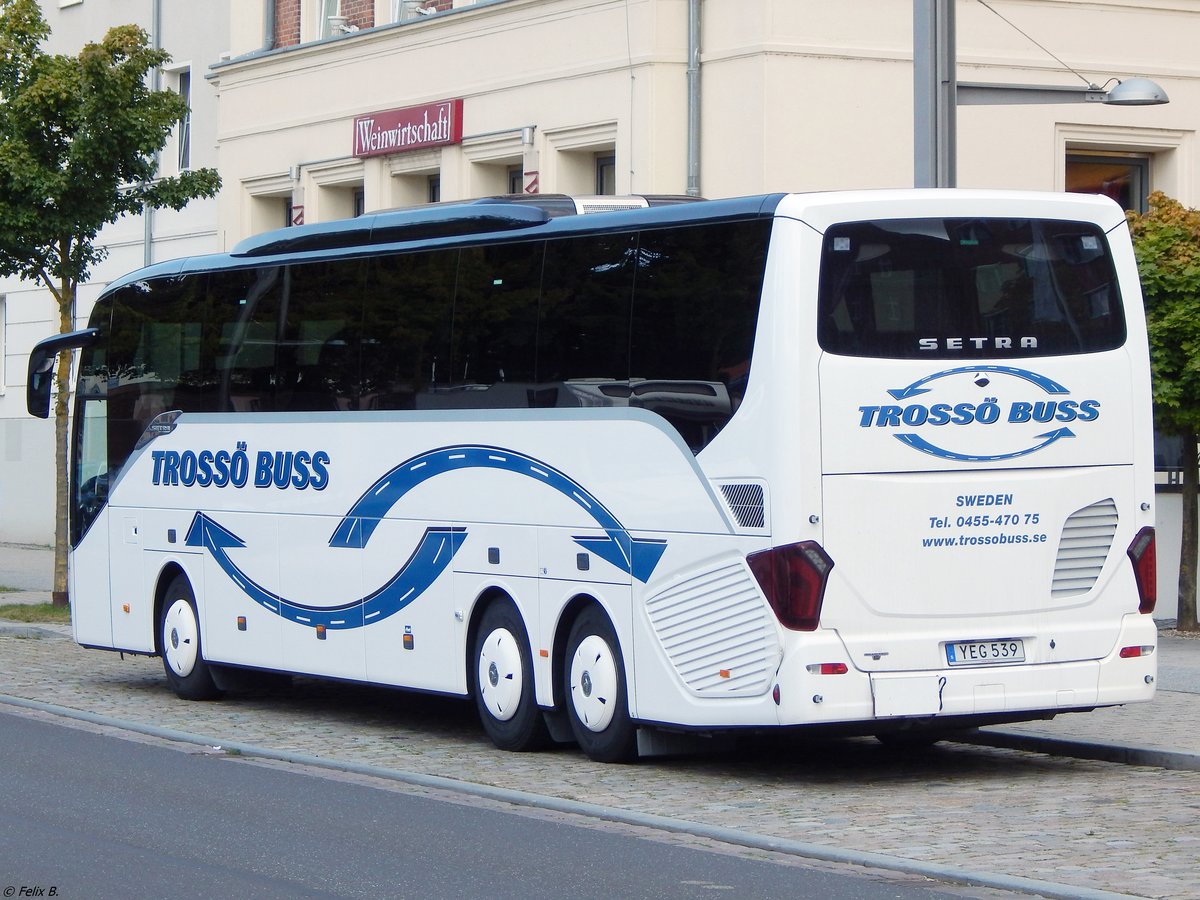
x=594 y=687
x=502 y=680
x=179 y=643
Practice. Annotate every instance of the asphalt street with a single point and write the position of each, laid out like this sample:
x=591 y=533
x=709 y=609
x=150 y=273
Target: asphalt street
x=87 y=814
x=1044 y=810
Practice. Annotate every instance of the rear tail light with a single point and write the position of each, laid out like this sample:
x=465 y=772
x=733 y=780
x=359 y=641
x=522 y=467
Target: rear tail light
x=1141 y=554
x=1135 y=652
x=828 y=669
x=793 y=579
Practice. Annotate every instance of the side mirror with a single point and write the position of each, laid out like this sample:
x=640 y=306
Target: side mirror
x=41 y=367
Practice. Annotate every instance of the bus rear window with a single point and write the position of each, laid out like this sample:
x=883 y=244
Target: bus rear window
x=967 y=289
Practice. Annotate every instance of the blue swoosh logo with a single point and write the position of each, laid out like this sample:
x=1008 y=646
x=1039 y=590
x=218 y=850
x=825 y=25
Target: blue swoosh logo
x=431 y=557
x=635 y=556
x=919 y=443
x=437 y=547
x=1049 y=385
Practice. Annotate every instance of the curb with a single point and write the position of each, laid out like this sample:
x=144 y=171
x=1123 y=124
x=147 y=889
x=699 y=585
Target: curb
x=35 y=630
x=1117 y=753
x=801 y=849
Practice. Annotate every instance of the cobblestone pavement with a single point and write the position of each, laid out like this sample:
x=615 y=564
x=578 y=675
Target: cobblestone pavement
x=1094 y=825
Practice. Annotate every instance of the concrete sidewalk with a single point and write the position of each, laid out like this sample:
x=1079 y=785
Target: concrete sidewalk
x=26 y=572
x=1164 y=733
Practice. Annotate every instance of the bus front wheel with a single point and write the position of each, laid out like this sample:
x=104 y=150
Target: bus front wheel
x=597 y=699
x=179 y=638
x=504 y=693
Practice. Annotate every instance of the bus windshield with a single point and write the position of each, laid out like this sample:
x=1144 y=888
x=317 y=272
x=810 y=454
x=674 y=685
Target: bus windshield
x=967 y=288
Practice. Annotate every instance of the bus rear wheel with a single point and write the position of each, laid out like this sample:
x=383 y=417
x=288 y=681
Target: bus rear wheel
x=504 y=690
x=594 y=685
x=179 y=640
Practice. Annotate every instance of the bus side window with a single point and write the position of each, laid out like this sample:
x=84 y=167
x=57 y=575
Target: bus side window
x=406 y=328
x=583 y=322
x=495 y=328
x=318 y=358
x=154 y=360
x=695 y=310
x=244 y=321
x=90 y=476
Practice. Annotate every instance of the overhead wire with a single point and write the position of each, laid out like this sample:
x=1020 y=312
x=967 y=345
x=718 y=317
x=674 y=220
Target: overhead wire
x=1034 y=41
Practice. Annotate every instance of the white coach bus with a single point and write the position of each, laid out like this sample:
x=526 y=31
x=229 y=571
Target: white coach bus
x=876 y=462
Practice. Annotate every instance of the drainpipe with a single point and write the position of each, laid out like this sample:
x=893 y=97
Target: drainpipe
x=693 y=99
x=268 y=25
x=155 y=84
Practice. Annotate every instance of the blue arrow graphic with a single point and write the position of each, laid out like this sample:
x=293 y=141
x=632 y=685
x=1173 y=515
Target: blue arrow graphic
x=431 y=557
x=1049 y=385
x=919 y=443
x=636 y=556
x=437 y=546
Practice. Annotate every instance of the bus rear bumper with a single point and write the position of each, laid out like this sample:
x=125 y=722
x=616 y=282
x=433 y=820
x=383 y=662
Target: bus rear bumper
x=1022 y=690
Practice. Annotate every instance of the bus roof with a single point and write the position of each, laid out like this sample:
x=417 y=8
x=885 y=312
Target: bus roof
x=481 y=221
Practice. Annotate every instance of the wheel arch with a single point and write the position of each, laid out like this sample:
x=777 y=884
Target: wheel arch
x=558 y=653
x=168 y=573
x=485 y=598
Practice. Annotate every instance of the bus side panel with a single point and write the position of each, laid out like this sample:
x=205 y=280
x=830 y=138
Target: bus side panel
x=131 y=599
x=238 y=630
x=421 y=645
x=314 y=574
x=708 y=645
x=91 y=621
x=593 y=501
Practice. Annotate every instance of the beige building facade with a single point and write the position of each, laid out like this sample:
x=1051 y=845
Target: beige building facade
x=587 y=96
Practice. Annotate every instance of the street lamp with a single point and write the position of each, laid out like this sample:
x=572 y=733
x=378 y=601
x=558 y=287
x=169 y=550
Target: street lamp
x=937 y=94
x=1130 y=92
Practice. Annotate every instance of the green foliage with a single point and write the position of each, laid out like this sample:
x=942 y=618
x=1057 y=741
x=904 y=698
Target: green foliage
x=78 y=136
x=1166 y=241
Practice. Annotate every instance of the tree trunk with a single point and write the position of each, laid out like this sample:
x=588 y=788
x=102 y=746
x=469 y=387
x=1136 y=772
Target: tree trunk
x=1188 y=546
x=62 y=407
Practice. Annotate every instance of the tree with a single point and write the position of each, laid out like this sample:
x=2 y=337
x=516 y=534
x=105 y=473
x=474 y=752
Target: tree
x=1166 y=241
x=78 y=138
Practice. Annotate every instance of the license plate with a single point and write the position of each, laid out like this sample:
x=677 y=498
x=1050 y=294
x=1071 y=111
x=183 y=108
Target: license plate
x=985 y=653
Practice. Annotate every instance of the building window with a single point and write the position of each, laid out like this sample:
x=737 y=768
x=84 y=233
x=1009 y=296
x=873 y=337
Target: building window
x=606 y=174
x=1124 y=178
x=360 y=202
x=516 y=180
x=329 y=10
x=293 y=214
x=406 y=10
x=435 y=189
x=184 y=88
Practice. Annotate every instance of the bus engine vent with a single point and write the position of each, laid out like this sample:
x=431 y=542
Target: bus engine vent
x=717 y=632
x=1087 y=537
x=747 y=503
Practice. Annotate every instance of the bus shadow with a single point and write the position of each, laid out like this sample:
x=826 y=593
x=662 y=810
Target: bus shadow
x=791 y=756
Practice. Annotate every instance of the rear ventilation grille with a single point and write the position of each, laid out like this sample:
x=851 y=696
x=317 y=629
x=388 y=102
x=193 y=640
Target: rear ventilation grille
x=717 y=632
x=747 y=503
x=1087 y=537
